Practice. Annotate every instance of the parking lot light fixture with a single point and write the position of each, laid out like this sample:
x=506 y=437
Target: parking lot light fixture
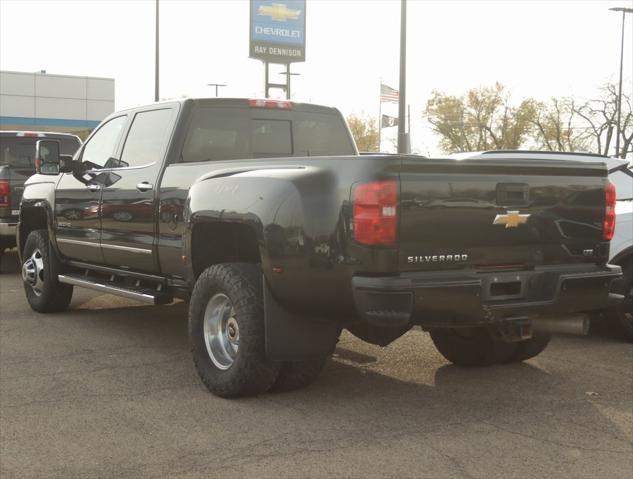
x=216 y=85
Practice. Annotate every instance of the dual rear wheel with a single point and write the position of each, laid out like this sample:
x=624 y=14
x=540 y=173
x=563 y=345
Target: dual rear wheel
x=226 y=333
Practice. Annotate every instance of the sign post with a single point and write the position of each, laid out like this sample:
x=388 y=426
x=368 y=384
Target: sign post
x=277 y=35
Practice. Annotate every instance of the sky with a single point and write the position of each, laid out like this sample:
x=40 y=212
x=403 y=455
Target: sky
x=537 y=48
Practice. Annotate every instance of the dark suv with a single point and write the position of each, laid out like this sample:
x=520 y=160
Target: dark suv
x=17 y=163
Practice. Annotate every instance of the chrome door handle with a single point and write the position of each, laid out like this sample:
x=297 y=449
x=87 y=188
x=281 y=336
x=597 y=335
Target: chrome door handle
x=144 y=186
x=93 y=187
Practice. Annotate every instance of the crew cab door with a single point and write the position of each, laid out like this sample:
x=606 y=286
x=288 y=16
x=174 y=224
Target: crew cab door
x=128 y=204
x=77 y=198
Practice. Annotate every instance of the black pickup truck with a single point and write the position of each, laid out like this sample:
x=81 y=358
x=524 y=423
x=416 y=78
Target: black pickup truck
x=263 y=216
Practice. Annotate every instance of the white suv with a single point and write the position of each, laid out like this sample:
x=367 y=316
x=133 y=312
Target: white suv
x=621 y=175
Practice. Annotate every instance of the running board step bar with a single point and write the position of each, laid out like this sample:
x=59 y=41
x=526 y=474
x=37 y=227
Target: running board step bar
x=98 y=284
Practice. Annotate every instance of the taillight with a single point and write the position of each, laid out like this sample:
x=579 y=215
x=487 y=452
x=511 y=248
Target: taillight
x=608 y=226
x=375 y=213
x=278 y=104
x=5 y=193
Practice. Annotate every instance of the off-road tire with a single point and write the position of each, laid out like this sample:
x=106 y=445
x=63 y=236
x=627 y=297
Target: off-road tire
x=622 y=316
x=471 y=347
x=251 y=373
x=530 y=348
x=55 y=296
x=297 y=375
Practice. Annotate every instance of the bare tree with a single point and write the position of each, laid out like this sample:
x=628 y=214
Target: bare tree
x=554 y=126
x=600 y=118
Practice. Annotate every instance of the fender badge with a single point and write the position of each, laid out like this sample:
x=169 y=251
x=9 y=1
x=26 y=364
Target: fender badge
x=512 y=219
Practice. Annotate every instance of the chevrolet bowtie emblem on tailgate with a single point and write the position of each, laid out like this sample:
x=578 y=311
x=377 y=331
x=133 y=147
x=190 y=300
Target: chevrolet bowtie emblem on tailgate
x=278 y=12
x=511 y=220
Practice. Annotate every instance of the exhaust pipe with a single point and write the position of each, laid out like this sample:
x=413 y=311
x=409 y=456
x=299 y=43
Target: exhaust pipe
x=572 y=324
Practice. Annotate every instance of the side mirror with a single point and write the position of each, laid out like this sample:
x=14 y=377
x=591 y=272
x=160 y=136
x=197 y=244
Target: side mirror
x=47 y=157
x=66 y=164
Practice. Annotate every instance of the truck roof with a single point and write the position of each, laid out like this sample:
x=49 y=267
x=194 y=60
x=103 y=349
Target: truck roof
x=245 y=102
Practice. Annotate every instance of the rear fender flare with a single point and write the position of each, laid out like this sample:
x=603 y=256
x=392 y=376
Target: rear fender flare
x=236 y=200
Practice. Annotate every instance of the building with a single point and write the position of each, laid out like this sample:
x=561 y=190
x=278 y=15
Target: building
x=43 y=102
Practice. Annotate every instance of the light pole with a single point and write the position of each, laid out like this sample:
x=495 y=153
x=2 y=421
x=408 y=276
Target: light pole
x=216 y=85
x=402 y=101
x=156 y=96
x=619 y=105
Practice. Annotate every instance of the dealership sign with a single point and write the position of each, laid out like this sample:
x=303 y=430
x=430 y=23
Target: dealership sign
x=277 y=30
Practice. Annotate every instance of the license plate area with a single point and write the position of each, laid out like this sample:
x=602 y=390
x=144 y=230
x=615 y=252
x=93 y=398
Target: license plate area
x=503 y=288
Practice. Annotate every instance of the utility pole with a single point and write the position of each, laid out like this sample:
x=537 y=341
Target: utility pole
x=619 y=103
x=402 y=101
x=156 y=65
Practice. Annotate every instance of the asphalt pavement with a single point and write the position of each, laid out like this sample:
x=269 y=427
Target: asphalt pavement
x=108 y=390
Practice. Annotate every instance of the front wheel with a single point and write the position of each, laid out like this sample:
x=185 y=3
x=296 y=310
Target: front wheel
x=39 y=272
x=226 y=331
x=471 y=347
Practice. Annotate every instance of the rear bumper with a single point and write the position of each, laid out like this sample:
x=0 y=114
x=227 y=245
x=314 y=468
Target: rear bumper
x=456 y=298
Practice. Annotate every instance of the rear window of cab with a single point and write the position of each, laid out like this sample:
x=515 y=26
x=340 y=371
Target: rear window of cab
x=218 y=133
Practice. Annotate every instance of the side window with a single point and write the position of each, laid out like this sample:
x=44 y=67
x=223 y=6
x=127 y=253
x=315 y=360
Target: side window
x=217 y=134
x=147 y=140
x=101 y=146
x=17 y=152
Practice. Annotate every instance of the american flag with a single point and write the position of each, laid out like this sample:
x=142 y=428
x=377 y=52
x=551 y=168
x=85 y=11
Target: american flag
x=388 y=94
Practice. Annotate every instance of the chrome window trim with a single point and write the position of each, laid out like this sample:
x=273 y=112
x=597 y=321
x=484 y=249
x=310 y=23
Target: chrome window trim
x=105 y=245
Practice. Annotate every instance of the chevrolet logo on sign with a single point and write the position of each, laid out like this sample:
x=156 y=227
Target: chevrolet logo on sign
x=278 y=12
x=512 y=219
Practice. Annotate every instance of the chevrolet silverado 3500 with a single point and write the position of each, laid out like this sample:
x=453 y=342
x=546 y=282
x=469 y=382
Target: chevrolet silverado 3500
x=264 y=217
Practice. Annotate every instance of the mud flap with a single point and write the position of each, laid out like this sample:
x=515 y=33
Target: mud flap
x=293 y=337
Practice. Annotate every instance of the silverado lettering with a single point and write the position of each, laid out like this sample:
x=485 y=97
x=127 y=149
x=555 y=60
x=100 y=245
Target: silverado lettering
x=435 y=258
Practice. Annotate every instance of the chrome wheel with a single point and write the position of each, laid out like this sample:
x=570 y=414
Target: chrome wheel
x=221 y=331
x=33 y=272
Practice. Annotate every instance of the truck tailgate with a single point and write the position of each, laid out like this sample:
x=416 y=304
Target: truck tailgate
x=500 y=213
